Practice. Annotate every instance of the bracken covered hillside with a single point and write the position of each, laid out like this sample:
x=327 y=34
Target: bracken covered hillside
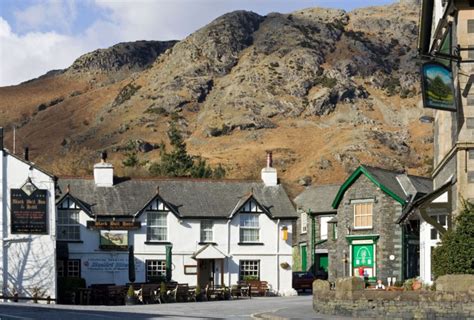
x=324 y=89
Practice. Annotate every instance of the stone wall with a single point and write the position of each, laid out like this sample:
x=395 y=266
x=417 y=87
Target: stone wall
x=350 y=299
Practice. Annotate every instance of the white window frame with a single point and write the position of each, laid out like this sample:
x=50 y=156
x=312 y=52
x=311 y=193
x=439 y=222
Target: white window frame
x=207 y=227
x=304 y=222
x=357 y=203
x=243 y=226
x=155 y=268
x=324 y=226
x=150 y=225
x=249 y=268
x=69 y=268
x=68 y=226
x=445 y=225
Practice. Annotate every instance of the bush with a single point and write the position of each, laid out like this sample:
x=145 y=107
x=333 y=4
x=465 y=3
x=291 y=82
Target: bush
x=455 y=254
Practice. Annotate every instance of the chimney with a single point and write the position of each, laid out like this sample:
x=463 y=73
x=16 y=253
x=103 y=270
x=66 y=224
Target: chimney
x=1 y=138
x=104 y=172
x=26 y=154
x=269 y=174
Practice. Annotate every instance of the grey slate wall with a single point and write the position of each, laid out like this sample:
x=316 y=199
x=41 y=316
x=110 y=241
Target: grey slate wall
x=385 y=213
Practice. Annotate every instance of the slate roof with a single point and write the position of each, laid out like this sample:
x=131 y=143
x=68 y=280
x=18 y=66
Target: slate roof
x=189 y=198
x=318 y=199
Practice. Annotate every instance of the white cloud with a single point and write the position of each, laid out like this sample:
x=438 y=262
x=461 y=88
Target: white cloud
x=23 y=57
x=48 y=14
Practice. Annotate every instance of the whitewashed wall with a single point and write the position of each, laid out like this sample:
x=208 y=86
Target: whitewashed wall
x=184 y=235
x=28 y=262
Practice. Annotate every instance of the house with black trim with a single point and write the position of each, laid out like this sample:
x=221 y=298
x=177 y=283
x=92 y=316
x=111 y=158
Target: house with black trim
x=199 y=231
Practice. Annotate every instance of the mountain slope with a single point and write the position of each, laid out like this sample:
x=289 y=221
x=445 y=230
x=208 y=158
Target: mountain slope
x=325 y=89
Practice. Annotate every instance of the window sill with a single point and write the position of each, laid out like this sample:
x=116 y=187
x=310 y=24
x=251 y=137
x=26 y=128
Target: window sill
x=207 y=242
x=71 y=241
x=157 y=243
x=250 y=243
x=362 y=228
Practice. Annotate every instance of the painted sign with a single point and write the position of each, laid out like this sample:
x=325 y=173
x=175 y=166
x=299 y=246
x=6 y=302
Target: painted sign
x=437 y=87
x=363 y=255
x=114 y=239
x=114 y=225
x=107 y=264
x=29 y=213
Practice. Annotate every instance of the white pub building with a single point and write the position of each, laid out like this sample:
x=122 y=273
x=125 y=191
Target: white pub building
x=28 y=228
x=213 y=232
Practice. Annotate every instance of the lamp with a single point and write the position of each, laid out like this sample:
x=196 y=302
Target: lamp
x=284 y=233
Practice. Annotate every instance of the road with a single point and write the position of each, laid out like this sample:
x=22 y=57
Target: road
x=255 y=308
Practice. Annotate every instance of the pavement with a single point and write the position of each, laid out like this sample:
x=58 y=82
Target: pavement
x=299 y=307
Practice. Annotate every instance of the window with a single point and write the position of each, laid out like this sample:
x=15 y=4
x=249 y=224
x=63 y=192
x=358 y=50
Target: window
x=157 y=226
x=470 y=53
x=470 y=26
x=470 y=177
x=68 y=227
x=442 y=220
x=249 y=228
x=363 y=215
x=206 y=231
x=69 y=268
x=334 y=231
x=323 y=227
x=155 y=269
x=304 y=222
x=249 y=270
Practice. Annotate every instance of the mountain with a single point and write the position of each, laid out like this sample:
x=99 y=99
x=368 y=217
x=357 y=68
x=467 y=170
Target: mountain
x=324 y=89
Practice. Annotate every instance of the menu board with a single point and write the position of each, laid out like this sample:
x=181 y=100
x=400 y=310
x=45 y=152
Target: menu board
x=29 y=212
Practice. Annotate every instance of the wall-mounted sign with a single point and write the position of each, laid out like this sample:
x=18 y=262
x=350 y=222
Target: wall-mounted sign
x=114 y=225
x=113 y=240
x=363 y=255
x=437 y=87
x=190 y=269
x=107 y=264
x=29 y=210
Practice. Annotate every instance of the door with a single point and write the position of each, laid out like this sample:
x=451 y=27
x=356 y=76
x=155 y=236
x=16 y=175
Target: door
x=413 y=260
x=205 y=272
x=304 y=258
x=363 y=260
x=323 y=262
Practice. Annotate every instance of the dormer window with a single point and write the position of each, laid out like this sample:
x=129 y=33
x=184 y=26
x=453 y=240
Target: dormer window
x=156 y=222
x=206 y=230
x=249 y=222
x=68 y=224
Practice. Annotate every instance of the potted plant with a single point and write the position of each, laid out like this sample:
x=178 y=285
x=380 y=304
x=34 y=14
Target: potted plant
x=198 y=293
x=130 y=299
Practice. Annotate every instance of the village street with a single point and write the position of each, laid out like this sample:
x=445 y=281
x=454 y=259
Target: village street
x=256 y=308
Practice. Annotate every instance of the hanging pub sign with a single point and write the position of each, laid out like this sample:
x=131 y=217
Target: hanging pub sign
x=113 y=240
x=28 y=210
x=437 y=87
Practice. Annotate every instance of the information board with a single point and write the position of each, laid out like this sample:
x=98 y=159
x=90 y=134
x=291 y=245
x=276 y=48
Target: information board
x=29 y=213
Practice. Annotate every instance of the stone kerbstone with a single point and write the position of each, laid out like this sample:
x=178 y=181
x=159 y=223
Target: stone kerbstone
x=321 y=286
x=455 y=283
x=350 y=284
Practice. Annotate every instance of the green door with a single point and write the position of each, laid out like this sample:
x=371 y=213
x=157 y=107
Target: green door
x=323 y=262
x=304 y=261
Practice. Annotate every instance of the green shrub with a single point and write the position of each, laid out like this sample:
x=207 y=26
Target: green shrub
x=455 y=254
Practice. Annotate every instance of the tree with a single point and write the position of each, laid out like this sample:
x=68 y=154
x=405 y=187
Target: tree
x=455 y=254
x=178 y=163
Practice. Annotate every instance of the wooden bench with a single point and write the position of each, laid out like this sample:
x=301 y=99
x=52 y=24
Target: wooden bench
x=150 y=293
x=240 y=290
x=182 y=293
x=258 y=288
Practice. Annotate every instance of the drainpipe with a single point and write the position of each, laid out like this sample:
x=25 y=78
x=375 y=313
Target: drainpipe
x=228 y=252
x=313 y=235
x=4 y=216
x=278 y=254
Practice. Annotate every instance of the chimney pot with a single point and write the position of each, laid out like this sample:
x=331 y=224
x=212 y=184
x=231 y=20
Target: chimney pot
x=1 y=138
x=269 y=159
x=27 y=154
x=103 y=156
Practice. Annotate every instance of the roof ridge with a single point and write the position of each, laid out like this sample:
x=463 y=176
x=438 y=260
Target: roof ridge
x=166 y=179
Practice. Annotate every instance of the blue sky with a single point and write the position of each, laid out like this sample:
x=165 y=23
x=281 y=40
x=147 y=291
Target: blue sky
x=40 y=35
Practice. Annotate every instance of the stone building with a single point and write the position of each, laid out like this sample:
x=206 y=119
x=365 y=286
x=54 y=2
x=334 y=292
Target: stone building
x=447 y=37
x=314 y=227
x=358 y=229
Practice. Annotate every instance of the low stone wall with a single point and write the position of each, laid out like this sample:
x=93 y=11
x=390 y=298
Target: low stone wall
x=351 y=299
